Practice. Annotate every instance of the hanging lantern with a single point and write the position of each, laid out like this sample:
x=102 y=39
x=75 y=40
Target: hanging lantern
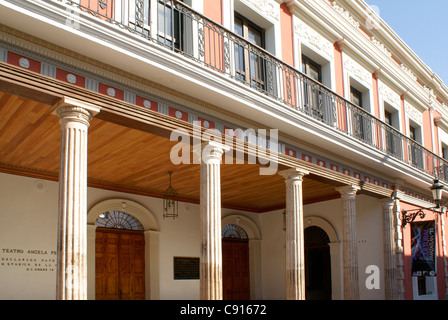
x=170 y=205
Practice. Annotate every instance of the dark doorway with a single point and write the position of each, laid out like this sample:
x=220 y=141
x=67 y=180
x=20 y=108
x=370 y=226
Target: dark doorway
x=317 y=264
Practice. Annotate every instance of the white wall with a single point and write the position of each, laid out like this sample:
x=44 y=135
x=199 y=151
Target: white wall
x=28 y=221
x=273 y=250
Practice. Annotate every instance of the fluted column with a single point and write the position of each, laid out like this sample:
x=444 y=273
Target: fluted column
x=210 y=207
x=295 y=251
x=350 y=243
x=74 y=118
x=390 y=263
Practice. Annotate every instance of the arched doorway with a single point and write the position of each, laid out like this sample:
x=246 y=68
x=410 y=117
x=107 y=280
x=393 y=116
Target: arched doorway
x=235 y=260
x=317 y=264
x=119 y=257
x=151 y=242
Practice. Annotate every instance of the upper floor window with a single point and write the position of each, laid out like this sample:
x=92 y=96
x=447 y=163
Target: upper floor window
x=445 y=151
x=361 y=121
x=416 y=152
x=314 y=102
x=356 y=97
x=311 y=69
x=169 y=25
x=388 y=117
x=249 y=64
x=392 y=139
x=414 y=132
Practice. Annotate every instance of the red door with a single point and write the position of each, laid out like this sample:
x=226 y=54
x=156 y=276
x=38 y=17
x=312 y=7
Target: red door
x=236 y=276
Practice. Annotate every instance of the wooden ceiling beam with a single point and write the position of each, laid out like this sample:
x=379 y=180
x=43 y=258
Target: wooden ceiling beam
x=33 y=86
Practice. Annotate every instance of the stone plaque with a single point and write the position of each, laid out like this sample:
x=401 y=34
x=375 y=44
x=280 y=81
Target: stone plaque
x=186 y=268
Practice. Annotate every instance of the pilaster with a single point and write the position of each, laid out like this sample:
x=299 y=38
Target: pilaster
x=389 y=250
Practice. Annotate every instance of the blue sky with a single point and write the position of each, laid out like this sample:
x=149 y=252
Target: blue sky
x=423 y=25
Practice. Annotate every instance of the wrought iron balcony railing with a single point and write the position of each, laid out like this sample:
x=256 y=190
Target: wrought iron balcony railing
x=177 y=27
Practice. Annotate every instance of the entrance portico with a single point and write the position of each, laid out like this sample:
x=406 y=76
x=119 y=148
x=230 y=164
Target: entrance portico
x=128 y=151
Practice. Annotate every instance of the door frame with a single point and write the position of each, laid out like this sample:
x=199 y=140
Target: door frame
x=254 y=235
x=335 y=253
x=232 y=243
x=151 y=233
x=119 y=233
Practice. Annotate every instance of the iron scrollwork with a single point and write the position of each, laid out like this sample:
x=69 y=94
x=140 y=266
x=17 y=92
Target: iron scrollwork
x=410 y=216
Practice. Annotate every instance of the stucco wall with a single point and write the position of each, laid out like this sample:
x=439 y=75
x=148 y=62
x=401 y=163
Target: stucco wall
x=28 y=221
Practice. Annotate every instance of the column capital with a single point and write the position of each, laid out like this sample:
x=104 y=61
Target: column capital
x=348 y=191
x=294 y=174
x=210 y=151
x=75 y=110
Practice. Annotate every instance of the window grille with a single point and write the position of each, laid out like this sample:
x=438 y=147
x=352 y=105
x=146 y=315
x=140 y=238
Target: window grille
x=118 y=220
x=234 y=232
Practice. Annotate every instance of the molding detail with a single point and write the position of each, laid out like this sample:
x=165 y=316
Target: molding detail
x=266 y=7
x=313 y=39
x=346 y=14
x=381 y=46
x=389 y=95
x=408 y=72
x=413 y=113
x=357 y=71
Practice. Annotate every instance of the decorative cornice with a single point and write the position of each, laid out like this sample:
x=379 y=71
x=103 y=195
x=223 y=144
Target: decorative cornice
x=346 y=14
x=408 y=72
x=381 y=46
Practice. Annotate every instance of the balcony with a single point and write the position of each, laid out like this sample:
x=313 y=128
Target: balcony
x=178 y=28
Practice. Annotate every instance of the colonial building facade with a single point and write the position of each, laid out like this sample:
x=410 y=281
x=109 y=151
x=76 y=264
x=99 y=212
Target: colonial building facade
x=217 y=149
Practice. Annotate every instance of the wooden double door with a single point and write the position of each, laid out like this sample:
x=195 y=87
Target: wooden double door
x=120 y=265
x=235 y=270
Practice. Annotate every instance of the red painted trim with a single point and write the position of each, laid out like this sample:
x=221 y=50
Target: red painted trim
x=14 y=59
x=287 y=34
x=213 y=10
x=62 y=75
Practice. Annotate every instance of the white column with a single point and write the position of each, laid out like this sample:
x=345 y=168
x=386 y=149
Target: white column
x=74 y=118
x=390 y=263
x=210 y=207
x=350 y=243
x=295 y=251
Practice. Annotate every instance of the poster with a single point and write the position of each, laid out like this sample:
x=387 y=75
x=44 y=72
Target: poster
x=423 y=245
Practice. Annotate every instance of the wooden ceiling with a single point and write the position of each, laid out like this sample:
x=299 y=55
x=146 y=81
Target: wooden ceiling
x=126 y=159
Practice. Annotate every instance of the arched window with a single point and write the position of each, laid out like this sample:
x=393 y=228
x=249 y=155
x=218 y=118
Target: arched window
x=315 y=236
x=232 y=231
x=118 y=220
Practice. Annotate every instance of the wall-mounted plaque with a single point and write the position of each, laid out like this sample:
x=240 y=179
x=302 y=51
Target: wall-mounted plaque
x=186 y=268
